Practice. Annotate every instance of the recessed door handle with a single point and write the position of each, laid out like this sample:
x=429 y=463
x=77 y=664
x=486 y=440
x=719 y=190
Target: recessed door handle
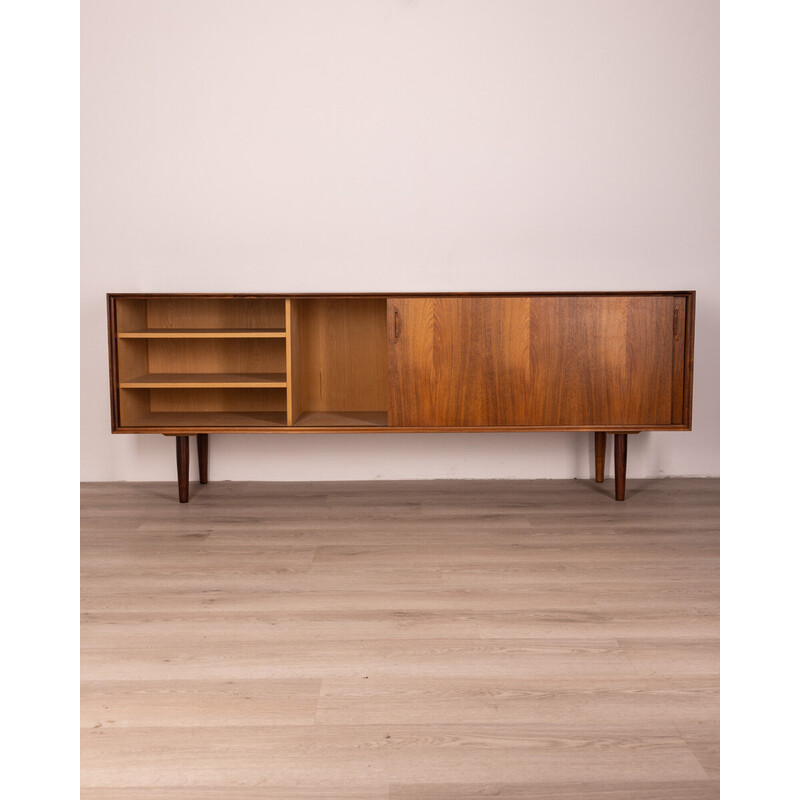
x=396 y=324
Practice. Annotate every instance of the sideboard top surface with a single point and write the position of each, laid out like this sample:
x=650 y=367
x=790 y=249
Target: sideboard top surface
x=302 y=295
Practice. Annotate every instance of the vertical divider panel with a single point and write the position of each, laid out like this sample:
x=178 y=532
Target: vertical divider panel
x=293 y=356
x=289 y=370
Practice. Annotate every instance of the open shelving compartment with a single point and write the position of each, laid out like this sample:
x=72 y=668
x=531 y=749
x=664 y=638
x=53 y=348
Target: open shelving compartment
x=187 y=362
x=338 y=362
x=202 y=362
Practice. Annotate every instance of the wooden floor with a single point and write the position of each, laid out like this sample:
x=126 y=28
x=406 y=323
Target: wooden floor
x=438 y=639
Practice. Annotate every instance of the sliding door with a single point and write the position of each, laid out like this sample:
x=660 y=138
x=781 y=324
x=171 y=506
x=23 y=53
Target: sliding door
x=459 y=361
x=542 y=361
x=609 y=360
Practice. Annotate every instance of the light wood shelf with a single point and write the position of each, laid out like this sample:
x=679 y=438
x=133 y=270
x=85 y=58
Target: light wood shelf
x=210 y=419
x=342 y=419
x=204 y=333
x=204 y=380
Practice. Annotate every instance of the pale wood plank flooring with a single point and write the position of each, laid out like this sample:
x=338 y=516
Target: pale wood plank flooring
x=441 y=639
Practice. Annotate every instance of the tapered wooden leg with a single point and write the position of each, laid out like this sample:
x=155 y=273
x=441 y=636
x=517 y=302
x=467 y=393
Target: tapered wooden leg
x=182 y=451
x=599 y=456
x=202 y=456
x=620 y=463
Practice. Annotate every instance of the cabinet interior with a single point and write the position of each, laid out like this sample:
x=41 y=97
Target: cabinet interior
x=251 y=362
x=339 y=362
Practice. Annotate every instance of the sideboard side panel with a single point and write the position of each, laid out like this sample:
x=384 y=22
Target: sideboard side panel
x=113 y=379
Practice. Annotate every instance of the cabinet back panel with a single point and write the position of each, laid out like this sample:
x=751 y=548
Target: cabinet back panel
x=131 y=314
x=215 y=313
x=216 y=399
x=341 y=346
x=134 y=404
x=132 y=357
x=217 y=355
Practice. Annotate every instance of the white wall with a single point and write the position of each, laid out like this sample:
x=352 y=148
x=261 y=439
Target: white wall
x=399 y=145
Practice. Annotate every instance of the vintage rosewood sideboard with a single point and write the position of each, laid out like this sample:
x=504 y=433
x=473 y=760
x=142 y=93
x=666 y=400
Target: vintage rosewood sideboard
x=192 y=364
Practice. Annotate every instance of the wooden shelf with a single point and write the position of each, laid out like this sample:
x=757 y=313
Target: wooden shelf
x=342 y=419
x=205 y=333
x=209 y=419
x=207 y=380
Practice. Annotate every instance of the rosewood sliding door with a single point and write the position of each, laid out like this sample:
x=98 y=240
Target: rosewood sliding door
x=541 y=361
x=608 y=361
x=459 y=361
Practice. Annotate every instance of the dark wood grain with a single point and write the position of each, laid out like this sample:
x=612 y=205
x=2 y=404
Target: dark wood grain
x=602 y=360
x=678 y=357
x=599 y=456
x=174 y=428
x=113 y=361
x=542 y=361
x=182 y=454
x=325 y=295
x=620 y=464
x=459 y=361
x=688 y=374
